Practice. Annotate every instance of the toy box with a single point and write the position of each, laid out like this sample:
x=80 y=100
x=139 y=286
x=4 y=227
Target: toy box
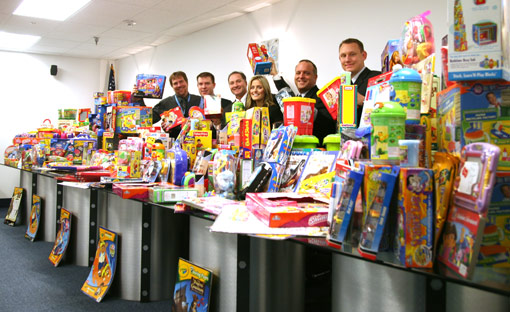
x=260 y=127
x=134 y=191
x=378 y=90
x=329 y=95
x=203 y=139
x=212 y=106
x=129 y=118
x=245 y=150
x=287 y=210
x=344 y=209
x=233 y=123
x=462 y=236
x=495 y=247
x=258 y=58
x=299 y=112
x=152 y=86
x=474 y=184
x=318 y=163
x=82 y=147
x=390 y=56
x=375 y=234
x=475 y=112
x=293 y=169
x=119 y=97
x=415 y=225
x=172 y=118
x=128 y=164
x=483 y=53
x=347 y=106
x=169 y=194
x=279 y=145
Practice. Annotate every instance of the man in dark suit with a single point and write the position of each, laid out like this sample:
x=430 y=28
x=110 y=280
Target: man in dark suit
x=305 y=78
x=352 y=56
x=206 y=85
x=182 y=99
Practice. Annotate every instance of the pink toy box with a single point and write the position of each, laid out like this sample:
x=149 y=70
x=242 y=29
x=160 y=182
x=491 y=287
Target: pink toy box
x=287 y=210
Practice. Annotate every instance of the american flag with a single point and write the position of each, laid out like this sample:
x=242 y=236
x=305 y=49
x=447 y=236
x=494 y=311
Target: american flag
x=111 y=81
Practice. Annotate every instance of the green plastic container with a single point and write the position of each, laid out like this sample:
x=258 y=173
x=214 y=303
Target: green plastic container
x=305 y=141
x=332 y=142
x=388 y=127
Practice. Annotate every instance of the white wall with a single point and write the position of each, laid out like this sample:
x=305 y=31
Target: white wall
x=29 y=94
x=306 y=29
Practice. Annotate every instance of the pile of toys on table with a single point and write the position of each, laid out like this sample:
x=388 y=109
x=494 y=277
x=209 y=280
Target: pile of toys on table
x=425 y=174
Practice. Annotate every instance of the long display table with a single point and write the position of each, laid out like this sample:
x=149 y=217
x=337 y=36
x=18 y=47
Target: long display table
x=252 y=273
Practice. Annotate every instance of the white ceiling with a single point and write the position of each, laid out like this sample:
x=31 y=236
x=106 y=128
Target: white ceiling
x=157 y=22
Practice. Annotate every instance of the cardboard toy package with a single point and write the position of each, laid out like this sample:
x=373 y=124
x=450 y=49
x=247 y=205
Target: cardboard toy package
x=259 y=59
x=478 y=45
x=415 y=226
x=129 y=118
x=134 y=191
x=477 y=111
x=299 y=112
x=287 y=210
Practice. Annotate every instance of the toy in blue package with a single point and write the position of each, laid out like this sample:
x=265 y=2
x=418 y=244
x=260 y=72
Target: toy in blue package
x=179 y=164
x=374 y=226
x=344 y=209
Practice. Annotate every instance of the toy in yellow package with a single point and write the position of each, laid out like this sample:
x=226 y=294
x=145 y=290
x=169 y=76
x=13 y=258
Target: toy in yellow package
x=413 y=240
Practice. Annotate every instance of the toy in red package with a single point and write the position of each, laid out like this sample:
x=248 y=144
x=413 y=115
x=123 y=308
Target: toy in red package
x=172 y=118
x=329 y=96
x=259 y=59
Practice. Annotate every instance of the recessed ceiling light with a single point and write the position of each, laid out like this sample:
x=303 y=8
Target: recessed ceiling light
x=16 y=42
x=57 y=10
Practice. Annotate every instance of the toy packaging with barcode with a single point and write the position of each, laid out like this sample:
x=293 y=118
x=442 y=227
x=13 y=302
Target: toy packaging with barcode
x=374 y=232
x=415 y=218
x=477 y=40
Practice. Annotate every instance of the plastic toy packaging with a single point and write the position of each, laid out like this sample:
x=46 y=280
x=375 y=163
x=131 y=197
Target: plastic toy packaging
x=346 y=193
x=417 y=41
x=477 y=174
x=224 y=177
x=374 y=236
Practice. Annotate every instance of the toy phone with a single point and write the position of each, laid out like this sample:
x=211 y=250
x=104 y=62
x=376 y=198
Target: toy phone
x=344 y=209
x=477 y=174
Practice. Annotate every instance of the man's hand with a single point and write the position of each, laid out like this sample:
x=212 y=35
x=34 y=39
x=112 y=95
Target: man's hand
x=274 y=70
x=360 y=99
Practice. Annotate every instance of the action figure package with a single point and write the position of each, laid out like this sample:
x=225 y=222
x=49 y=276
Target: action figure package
x=346 y=196
x=415 y=219
x=375 y=234
x=293 y=169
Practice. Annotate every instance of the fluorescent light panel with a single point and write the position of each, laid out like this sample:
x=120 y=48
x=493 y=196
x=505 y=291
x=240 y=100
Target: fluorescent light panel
x=10 y=41
x=57 y=10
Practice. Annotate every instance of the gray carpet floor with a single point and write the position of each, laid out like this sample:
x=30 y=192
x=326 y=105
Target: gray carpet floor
x=29 y=282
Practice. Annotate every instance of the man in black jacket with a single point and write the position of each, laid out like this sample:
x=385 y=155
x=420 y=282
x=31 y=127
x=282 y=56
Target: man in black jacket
x=182 y=99
x=305 y=78
x=352 y=56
